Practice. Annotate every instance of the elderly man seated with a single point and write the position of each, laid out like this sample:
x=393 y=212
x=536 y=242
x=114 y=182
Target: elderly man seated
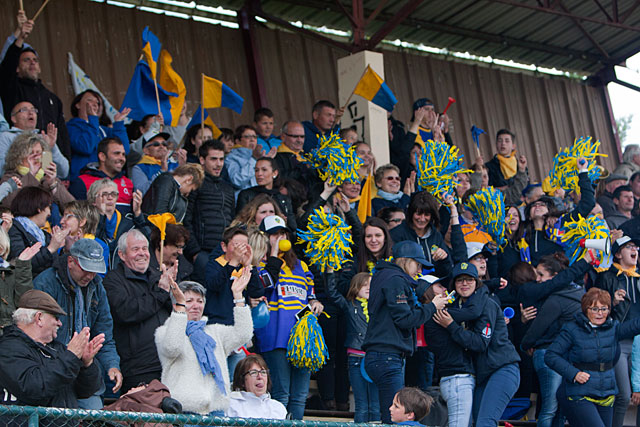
x=37 y=370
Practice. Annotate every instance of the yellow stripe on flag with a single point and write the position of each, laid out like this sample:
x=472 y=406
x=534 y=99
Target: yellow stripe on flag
x=148 y=56
x=211 y=92
x=172 y=82
x=369 y=84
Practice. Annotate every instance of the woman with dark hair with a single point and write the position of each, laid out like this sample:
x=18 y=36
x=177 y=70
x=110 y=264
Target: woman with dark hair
x=250 y=396
x=268 y=179
x=241 y=161
x=584 y=353
x=422 y=225
x=496 y=359
x=393 y=216
x=31 y=209
x=556 y=310
x=509 y=255
x=193 y=139
x=86 y=131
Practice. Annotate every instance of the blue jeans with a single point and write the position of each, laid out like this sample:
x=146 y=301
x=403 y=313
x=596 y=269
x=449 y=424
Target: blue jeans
x=289 y=385
x=387 y=372
x=457 y=391
x=365 y=394
x=582 y=413
x=494 y=394
x=622 y=370
x=550 y=380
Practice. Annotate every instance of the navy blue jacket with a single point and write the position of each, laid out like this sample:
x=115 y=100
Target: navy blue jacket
x=488 y=338
x=579 y=342
x=533 y=293
x=356 y=319
x=393 y=316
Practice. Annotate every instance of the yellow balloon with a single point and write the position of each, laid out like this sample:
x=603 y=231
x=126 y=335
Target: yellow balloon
x=284 y=245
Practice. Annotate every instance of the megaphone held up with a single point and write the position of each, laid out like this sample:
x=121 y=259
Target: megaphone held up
x=603 y=245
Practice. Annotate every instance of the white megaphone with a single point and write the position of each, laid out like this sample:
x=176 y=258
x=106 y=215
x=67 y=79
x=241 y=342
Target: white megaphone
x=603 y=245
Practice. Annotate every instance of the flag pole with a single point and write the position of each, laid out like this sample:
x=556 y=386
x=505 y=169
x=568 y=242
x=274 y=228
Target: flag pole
x=155 y=84
x=21 y=5
x=39 y=10
x=344 y=107
x=202 y=107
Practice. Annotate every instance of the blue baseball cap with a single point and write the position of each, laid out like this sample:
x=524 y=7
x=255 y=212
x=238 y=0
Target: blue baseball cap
x=464 y=269
x=409 y=249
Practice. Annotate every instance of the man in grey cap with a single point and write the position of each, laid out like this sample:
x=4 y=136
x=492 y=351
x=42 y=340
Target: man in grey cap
x=38 y=370
x=74 y=283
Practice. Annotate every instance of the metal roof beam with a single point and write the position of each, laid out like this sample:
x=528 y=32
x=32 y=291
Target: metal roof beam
x=550 y=10
x=603 y=10
x=629 y=11
x=585 y=32
x=391 y=24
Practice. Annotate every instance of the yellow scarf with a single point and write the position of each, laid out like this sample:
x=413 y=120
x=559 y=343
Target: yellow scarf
x=23 y=170
x=508 y=165
x=284 y=149
x=629 y=272
x=607 y=401
x=365 y=307
x=148 y=160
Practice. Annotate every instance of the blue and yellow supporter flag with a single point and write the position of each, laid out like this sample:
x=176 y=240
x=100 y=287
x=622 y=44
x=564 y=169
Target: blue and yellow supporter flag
x=197 y=119
x=141 y=95
x=372 y=88
x=172 y=82
x=217 y=94
x=151 y=50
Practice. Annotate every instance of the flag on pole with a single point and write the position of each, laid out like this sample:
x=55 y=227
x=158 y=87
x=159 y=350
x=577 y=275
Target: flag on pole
x=170 y=81
x=195 y=120
x=81 y=82
x=141 y=95
x=475 y=135
x=151 y=50
x=374 y=89
x=217 y=94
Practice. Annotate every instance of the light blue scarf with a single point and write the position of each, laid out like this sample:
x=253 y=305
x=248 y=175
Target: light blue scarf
x=390 y=196
x=80 y=315
x=204 y=345
x=31 y=228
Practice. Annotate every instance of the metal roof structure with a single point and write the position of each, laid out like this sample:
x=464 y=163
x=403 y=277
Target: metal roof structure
x=580 y=36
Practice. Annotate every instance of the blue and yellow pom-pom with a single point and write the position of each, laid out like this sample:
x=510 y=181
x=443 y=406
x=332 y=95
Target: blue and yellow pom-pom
x=487 y=207
x=584 y=228
x=437 y=167
x=335 y=160
x=328 y=240
x=306 y=348
x=564 y=173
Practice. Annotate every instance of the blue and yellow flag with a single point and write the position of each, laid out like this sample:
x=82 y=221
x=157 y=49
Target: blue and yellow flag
x=151 y=50
x=172 y=82
x=374 y=89
x=197 y=119
x=217 y=94
x=141 y=95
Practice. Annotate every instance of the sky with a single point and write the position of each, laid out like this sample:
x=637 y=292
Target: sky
x=626 y=101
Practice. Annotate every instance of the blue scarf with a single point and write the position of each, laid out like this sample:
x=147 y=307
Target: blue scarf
x=204 y=345
x=80 y=315
x=390 y=196
x=32 y=229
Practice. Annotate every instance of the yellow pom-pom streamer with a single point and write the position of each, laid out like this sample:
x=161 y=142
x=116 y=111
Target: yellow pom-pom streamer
x=328 y=240
x=306 y=348
x=335 y=160
x=438 y=165
x=487 y=207
x=584 y=228
x=564 y=173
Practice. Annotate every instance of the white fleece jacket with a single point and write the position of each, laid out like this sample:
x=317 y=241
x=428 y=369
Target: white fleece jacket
x=180 y=369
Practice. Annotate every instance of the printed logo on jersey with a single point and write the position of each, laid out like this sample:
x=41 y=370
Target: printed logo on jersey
x=293 y=291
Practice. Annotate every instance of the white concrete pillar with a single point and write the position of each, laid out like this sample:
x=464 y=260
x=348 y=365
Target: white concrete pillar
x=370 y=120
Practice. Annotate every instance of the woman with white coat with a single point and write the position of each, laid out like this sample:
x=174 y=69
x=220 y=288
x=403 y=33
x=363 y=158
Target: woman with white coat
x=186 y=344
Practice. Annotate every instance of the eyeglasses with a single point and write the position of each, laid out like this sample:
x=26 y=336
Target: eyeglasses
x=250 y=136
x=69 y=216
x=538 y=204
x=157 y=144
x=392 y=178
x=111 y=195
x=396 y=220
x=595 y=310
x=631 y=247
x=468 y=281
x=294 y=136
x=26 y=110
x=254 y=373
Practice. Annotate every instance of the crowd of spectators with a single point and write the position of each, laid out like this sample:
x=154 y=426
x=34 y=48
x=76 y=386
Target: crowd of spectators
x=97 y=301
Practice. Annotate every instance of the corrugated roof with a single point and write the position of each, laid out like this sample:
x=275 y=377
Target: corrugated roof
x=501 y=29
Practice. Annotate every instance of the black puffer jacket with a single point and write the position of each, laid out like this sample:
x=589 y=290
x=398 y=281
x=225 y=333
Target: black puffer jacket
x=164 y=196
x=138 y=307
x=20 y=240
x=43 y=375
x=211 y=209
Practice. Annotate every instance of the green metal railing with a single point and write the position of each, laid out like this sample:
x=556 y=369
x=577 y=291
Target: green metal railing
x=39 y=416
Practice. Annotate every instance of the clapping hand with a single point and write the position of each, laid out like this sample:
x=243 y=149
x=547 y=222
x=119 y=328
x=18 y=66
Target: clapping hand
x=30 y=252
